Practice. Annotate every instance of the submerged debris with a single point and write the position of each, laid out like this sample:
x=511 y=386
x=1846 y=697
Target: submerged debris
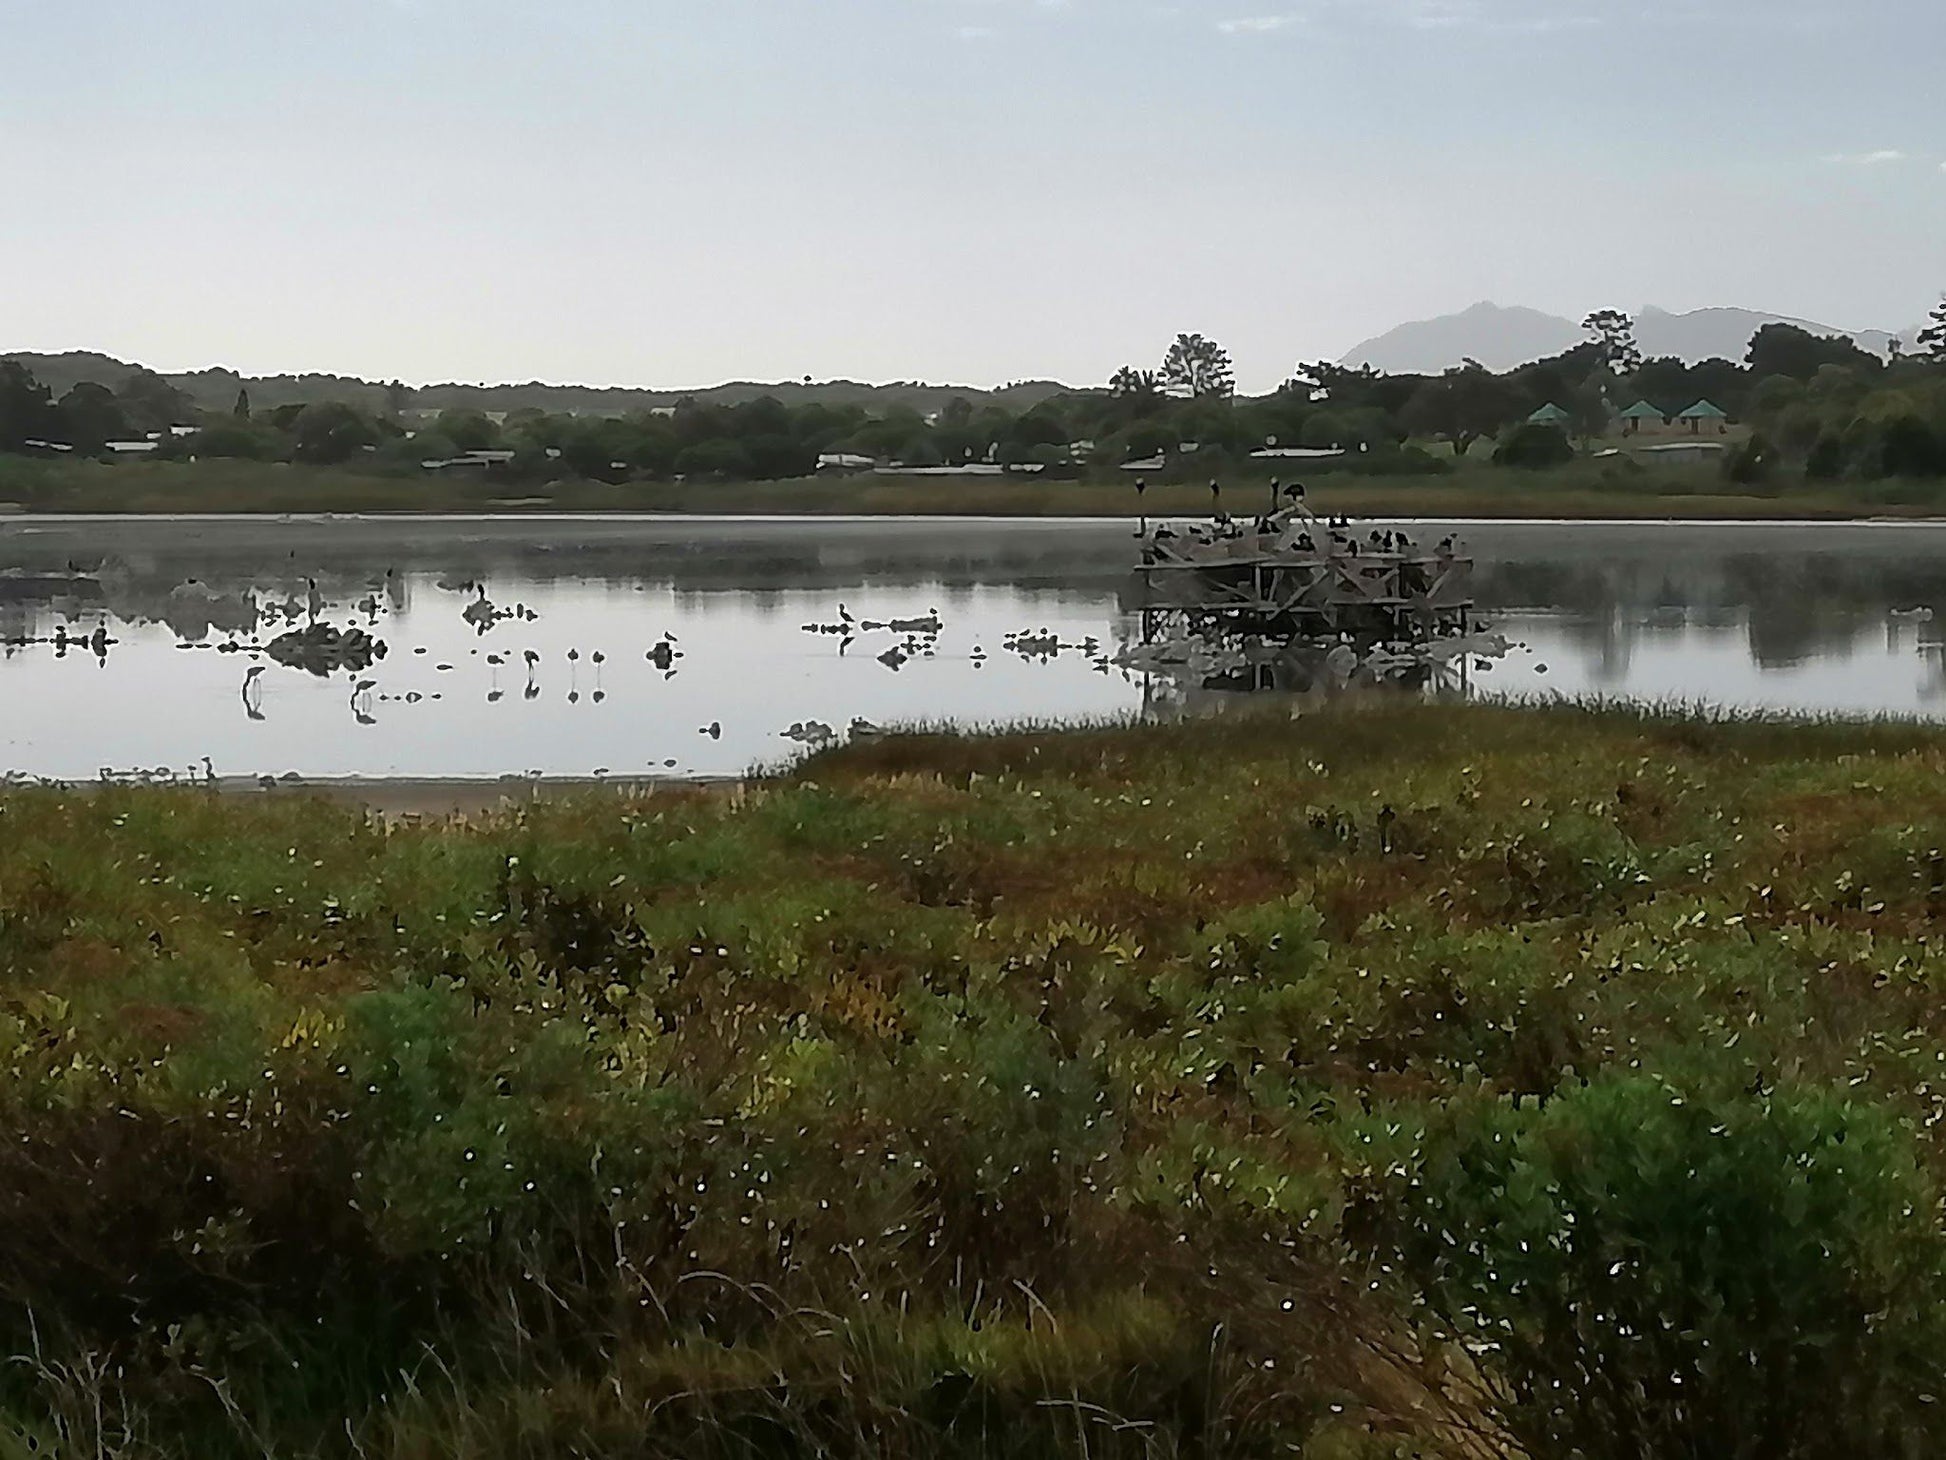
x=323 y=650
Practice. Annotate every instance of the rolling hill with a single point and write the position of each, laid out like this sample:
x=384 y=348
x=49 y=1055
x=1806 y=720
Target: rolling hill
x=216 y=390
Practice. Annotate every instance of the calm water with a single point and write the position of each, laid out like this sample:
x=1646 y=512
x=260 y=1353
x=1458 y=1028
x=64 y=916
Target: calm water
x=1784 y=617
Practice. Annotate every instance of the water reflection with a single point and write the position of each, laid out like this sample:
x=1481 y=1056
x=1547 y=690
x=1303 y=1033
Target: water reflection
x=432 y=647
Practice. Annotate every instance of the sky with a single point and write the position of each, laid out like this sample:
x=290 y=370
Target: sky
x=675 y=193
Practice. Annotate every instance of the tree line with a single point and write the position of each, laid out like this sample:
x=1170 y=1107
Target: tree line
x=1819 y=404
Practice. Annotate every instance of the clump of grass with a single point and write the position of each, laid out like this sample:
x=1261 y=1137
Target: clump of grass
x=1225 y=1088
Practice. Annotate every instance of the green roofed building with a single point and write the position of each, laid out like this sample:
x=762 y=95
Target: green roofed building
x=1550 y=415
x=1642 y=414
x=1705 y=413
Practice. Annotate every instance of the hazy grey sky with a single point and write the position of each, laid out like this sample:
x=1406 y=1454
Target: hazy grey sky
x=678 y=192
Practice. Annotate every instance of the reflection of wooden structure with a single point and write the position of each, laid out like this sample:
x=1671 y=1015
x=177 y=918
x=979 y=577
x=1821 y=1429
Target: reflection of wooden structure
x=1283 y=596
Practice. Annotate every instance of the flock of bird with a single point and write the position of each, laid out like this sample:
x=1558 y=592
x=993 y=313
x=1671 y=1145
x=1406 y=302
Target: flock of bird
x=310 y=642
x=918 y=638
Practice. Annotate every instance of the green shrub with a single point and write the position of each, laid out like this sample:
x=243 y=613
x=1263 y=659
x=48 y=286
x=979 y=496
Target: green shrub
x=1534 y=447
x=1632 y=1270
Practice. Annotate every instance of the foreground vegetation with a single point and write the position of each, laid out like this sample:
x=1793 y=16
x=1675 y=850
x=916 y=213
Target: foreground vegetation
x=1583 y=490
x=1419 y=1082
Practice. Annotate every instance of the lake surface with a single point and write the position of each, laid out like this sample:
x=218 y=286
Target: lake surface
x=1798 y=617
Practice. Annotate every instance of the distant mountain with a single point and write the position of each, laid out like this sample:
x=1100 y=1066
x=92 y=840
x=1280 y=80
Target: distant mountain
x=216 y=390
x=1502 y=338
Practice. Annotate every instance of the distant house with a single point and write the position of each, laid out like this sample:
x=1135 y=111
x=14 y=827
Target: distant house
x=1550 y=415
x=1643 y=417
x=1675 y=453
x=1297 y=453
x=1703 y=415
x=476 y=460
x=133 y=448
x=845 y=461
x=968 y=469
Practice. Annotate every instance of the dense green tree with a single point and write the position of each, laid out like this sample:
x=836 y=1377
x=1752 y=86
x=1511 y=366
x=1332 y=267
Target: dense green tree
x=1720 y=381
x=468 y=430
x=1557 y=379
x=26 y=412
x=1535 y=447
x=237 y=438
x=1614 y=334
x=599 y=449
x=1932 y=339
x=1462 y=406
x=1664 y=383
x=152 y=403
x=331 y=432
x=241 y=410
x=718 y=457
x=1784 y=349
x=89 y=417
x=1197 y=368
x=1137 y=393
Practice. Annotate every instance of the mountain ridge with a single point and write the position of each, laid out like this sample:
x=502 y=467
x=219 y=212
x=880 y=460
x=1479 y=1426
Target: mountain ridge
x=1503 y=337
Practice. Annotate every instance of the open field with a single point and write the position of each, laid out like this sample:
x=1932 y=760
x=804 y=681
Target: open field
x=1585 y=490
x=1407 y=1081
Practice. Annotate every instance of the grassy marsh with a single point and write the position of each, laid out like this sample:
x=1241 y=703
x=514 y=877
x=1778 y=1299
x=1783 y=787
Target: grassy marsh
x=1588 y=489
x=1425 y=1081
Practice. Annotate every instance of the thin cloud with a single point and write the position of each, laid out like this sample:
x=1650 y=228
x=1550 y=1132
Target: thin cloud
x=1881 y=158
x=1258 y=24
x=1487 y=17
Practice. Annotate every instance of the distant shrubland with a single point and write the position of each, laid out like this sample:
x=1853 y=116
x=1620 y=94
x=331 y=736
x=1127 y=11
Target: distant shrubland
x=1816 y=409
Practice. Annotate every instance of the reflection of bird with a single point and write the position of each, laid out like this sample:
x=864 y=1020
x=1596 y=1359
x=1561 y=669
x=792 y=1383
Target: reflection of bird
x=253 y=692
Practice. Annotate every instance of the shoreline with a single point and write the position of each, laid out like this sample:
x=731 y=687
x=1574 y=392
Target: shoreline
x=419 y=798
x=1586 y=490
